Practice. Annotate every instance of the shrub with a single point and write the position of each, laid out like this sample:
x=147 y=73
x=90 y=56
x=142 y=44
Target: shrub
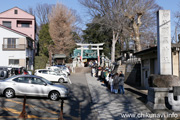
x=40 y=62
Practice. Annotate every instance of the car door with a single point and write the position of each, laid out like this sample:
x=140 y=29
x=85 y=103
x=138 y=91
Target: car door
x=39 y=87
x=22 y=86
x=53 y=76
x=43 y=73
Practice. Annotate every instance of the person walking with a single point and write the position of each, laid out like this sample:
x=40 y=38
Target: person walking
x=121 y=82
x=116 y=83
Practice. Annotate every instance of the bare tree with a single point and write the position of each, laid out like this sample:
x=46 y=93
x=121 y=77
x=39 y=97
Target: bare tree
x=60 y=29
x=42 y=13
x=176 y=36
x=77 y=25
x=124 y=16
x=135 y=11
x=110 y=16
x=31 y=11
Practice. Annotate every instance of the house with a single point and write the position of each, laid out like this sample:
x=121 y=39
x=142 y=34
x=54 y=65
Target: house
x=17 y=38
x=16 y=48
x=149 y=64
x=17 y=19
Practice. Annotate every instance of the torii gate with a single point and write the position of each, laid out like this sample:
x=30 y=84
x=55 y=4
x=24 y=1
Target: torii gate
x=92 y=48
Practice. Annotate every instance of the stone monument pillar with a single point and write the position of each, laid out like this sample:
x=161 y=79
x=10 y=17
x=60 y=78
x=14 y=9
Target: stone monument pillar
x=162 y=83
x=102 y=64
x=164 y=42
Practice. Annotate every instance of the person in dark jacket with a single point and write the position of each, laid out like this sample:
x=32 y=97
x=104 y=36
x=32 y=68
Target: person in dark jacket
x=121 y=82
x=116 y=83
x=102 y=75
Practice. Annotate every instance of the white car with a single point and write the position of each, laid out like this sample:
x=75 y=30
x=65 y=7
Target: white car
x=51 y=76
x=64 y=68
x=57 y=70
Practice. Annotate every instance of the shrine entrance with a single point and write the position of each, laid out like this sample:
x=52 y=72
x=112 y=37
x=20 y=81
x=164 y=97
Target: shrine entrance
x=87 y=52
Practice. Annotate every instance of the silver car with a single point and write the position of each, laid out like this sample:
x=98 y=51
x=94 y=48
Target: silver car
x=31 y=85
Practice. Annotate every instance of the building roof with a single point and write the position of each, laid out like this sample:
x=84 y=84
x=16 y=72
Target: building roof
x=154 y=49
x=19 y=9
x=15 y=31
x=59 y=56
x=149 y=50
x=175 y=45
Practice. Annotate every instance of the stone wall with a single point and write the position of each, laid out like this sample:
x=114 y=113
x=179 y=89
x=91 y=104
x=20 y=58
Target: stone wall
x=131 y=70
x=133 y=74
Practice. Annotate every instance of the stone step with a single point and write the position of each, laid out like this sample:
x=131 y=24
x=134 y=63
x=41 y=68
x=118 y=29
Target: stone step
x=82 y=70
x=121 y=68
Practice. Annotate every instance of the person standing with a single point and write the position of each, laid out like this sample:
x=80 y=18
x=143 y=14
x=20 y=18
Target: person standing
x=111 y=82
x=93 y=71
x=105 y=77
x=99 y=73
x=102 y=75
x=116 y=83
x=121 y=82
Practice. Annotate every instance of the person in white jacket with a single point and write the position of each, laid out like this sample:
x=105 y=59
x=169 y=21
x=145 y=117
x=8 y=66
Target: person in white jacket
x=111 y=82
x=93 y=71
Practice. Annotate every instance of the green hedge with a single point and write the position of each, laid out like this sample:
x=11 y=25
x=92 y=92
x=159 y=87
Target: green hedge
x=40 y=62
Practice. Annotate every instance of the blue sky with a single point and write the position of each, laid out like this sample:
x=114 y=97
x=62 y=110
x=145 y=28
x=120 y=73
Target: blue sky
x=173 y=5
x=25 y=4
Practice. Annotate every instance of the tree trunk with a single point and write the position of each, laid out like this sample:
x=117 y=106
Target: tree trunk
x=113 y=48
x=137 y=37
x=50 y=58
x=50 y=54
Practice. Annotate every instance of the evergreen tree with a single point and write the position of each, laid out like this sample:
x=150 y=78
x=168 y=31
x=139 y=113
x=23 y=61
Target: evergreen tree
x=96 y=33
x=44 y=40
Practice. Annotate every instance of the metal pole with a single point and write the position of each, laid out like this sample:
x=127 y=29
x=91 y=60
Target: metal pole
x=61 y=112
x=23 y=114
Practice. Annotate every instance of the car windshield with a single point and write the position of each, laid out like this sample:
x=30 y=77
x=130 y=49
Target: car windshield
x=56 y=70
x=47 y=81
x=59 y=74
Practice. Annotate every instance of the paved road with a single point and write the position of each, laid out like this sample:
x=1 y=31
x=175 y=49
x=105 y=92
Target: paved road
x=80 y=100
x=36 y=108
x=111 y=106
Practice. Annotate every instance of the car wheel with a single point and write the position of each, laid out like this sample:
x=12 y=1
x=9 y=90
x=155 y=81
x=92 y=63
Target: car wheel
x=61 y=80
x=54 y=95
x=9 y=93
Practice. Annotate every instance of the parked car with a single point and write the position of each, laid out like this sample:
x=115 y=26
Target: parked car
x=31 y=85
x=51 y=76
x=57 y=70
x=8 y=71
x=18 y=70
x=4 y=72
x=63 y=67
